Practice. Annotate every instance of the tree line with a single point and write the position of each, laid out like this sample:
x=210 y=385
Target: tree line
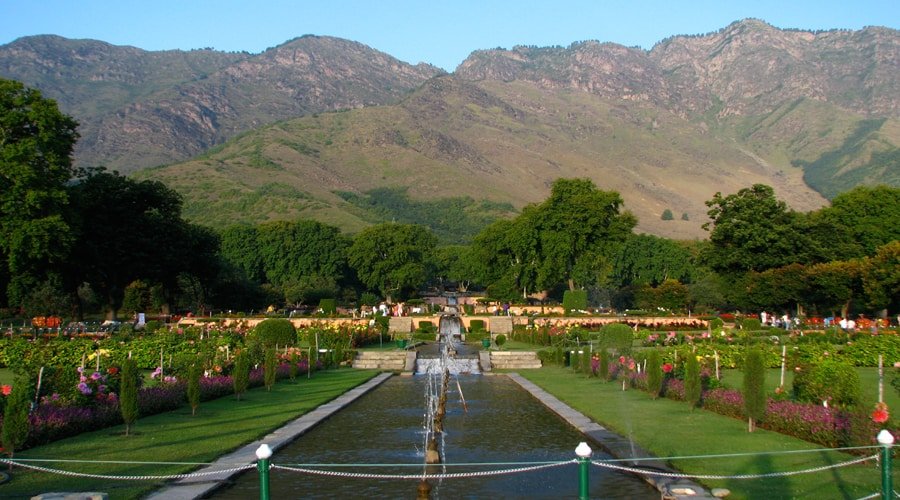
x=75 y=240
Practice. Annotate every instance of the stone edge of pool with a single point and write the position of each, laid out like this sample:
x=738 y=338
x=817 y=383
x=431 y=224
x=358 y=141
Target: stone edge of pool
x=613 y=443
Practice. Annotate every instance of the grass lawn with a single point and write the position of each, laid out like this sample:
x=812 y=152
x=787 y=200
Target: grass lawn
x=219 y=427
x=670 y=428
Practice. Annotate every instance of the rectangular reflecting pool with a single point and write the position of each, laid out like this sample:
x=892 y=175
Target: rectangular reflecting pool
x=502 y=424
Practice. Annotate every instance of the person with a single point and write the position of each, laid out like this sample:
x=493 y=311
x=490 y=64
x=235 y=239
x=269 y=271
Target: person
x=763 y=316
x=786 y=321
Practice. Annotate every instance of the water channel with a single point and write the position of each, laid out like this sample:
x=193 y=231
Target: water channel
x=500 y=422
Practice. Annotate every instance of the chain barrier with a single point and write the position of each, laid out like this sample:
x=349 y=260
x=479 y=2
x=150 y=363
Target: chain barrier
x=127 y=478
x=647 y=472
x=452 y=475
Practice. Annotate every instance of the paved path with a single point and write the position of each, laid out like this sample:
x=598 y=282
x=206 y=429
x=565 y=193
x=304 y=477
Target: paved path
x=191 y=488
x=616 y=445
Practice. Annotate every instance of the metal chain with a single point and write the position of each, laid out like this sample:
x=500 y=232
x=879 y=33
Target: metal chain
x=647 y=472
x=455 y=475
x=127 y=478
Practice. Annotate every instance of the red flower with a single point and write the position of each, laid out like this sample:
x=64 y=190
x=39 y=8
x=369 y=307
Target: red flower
x=622 y=360
x=880 y=415
x=112 y=370
x=5 y=389
x=667 y=367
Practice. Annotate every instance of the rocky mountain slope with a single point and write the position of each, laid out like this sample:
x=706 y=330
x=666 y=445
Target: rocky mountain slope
x=140 y=108
x=810 y=113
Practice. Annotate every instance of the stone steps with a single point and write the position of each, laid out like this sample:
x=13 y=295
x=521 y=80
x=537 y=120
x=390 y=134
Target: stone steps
x=514 y=360
x=380 y=360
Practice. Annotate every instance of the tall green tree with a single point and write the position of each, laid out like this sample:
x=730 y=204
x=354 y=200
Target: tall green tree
x=127 y=230
x=392 y=258
x=693 y=388
x=753 y=231
x=650 y=260
x=240 y=376
x=293 y=250
x=36 y=142
x=754 y=387
x=193 y=386
x=861 y=220
x=832 y=286
x=128 y=394
x=15 y=417
x=881 y=277
x=579 y=224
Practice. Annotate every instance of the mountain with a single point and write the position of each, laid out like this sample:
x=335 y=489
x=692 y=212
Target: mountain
x=140 y=108
x=328 y=129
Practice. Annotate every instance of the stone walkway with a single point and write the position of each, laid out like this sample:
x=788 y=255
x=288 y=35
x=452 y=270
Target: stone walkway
x=614 y=444
x=191 y=488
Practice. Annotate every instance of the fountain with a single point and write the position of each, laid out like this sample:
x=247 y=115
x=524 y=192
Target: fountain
x=495 y=422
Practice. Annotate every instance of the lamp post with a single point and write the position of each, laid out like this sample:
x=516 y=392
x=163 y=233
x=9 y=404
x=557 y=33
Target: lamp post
x=886 y=440
x=263 y=453
x=584 y=462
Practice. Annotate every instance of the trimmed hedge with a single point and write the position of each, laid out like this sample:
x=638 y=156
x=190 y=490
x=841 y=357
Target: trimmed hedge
x=575 y=300
x=272 y=332
x=616 y=336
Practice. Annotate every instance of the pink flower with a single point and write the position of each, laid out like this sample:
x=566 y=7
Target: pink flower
x=622 y=360
x=880 y=415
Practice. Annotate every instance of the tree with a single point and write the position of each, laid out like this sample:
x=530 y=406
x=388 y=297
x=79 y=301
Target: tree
x=193 y=387
x=692 y=383
x=667 y=215
x=754 y=387
x=578 y=223
x=832 y=286
x=128 y=394
x=36 y=142
x=291 y=251
x=881 y=277
x=240 y=376
x=269 y=367
x=753 y=231
x=15 y=417
x=650 y=260
x=392 y=258
x=861 y=220
x=127 y=230
x=240 y=248
x=654 y=373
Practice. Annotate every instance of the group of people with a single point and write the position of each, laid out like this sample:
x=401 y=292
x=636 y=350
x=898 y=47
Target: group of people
x=784 y=321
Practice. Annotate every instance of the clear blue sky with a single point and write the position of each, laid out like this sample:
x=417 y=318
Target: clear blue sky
x=439 y=32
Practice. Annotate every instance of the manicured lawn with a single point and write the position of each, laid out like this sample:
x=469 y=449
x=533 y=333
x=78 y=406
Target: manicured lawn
x=670 y=428
x=219 y=427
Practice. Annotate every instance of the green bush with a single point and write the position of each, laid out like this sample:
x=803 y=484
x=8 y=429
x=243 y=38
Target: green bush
x=193 y=387
x=575 y=300
x=275 y=332
x=617 y=337
x=240 y=376
x=426 y=327
x=500 y=340
x=270 y=368
x=716 y=324
x=751 y=325
x=692 y=382
x=128 y=394
x=15 y=420
x=654 y=373
x=603 y=365
x=328 y=306
x=754 y=387
x=476 y=325
x=368 y=299
x=829 y=380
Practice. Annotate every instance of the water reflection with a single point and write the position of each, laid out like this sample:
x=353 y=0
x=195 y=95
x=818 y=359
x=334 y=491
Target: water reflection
x=503 y=424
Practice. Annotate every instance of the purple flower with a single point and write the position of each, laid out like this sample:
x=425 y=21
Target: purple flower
x=96 y=376
x=84 y=388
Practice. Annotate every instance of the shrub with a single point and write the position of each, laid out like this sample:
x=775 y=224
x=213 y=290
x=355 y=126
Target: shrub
x=751 y=325
x=692 y=384
x=617 y=337
x=829 y=380
x=754 y=388
x=500 y=340
x=270 y=365
x=193 y=387
x=275 y=331
x=654 y=373
x=575 y=300
x=426 y=327
x=667 y=215
x=15 y=418
x=603 y=364
x=128 y=395
x=241 y=374
x=716 y=324
x=476 y=325
x=328 y=306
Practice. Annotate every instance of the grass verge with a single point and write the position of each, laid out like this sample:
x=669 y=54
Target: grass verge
x=220 y=426
x=669 y=428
